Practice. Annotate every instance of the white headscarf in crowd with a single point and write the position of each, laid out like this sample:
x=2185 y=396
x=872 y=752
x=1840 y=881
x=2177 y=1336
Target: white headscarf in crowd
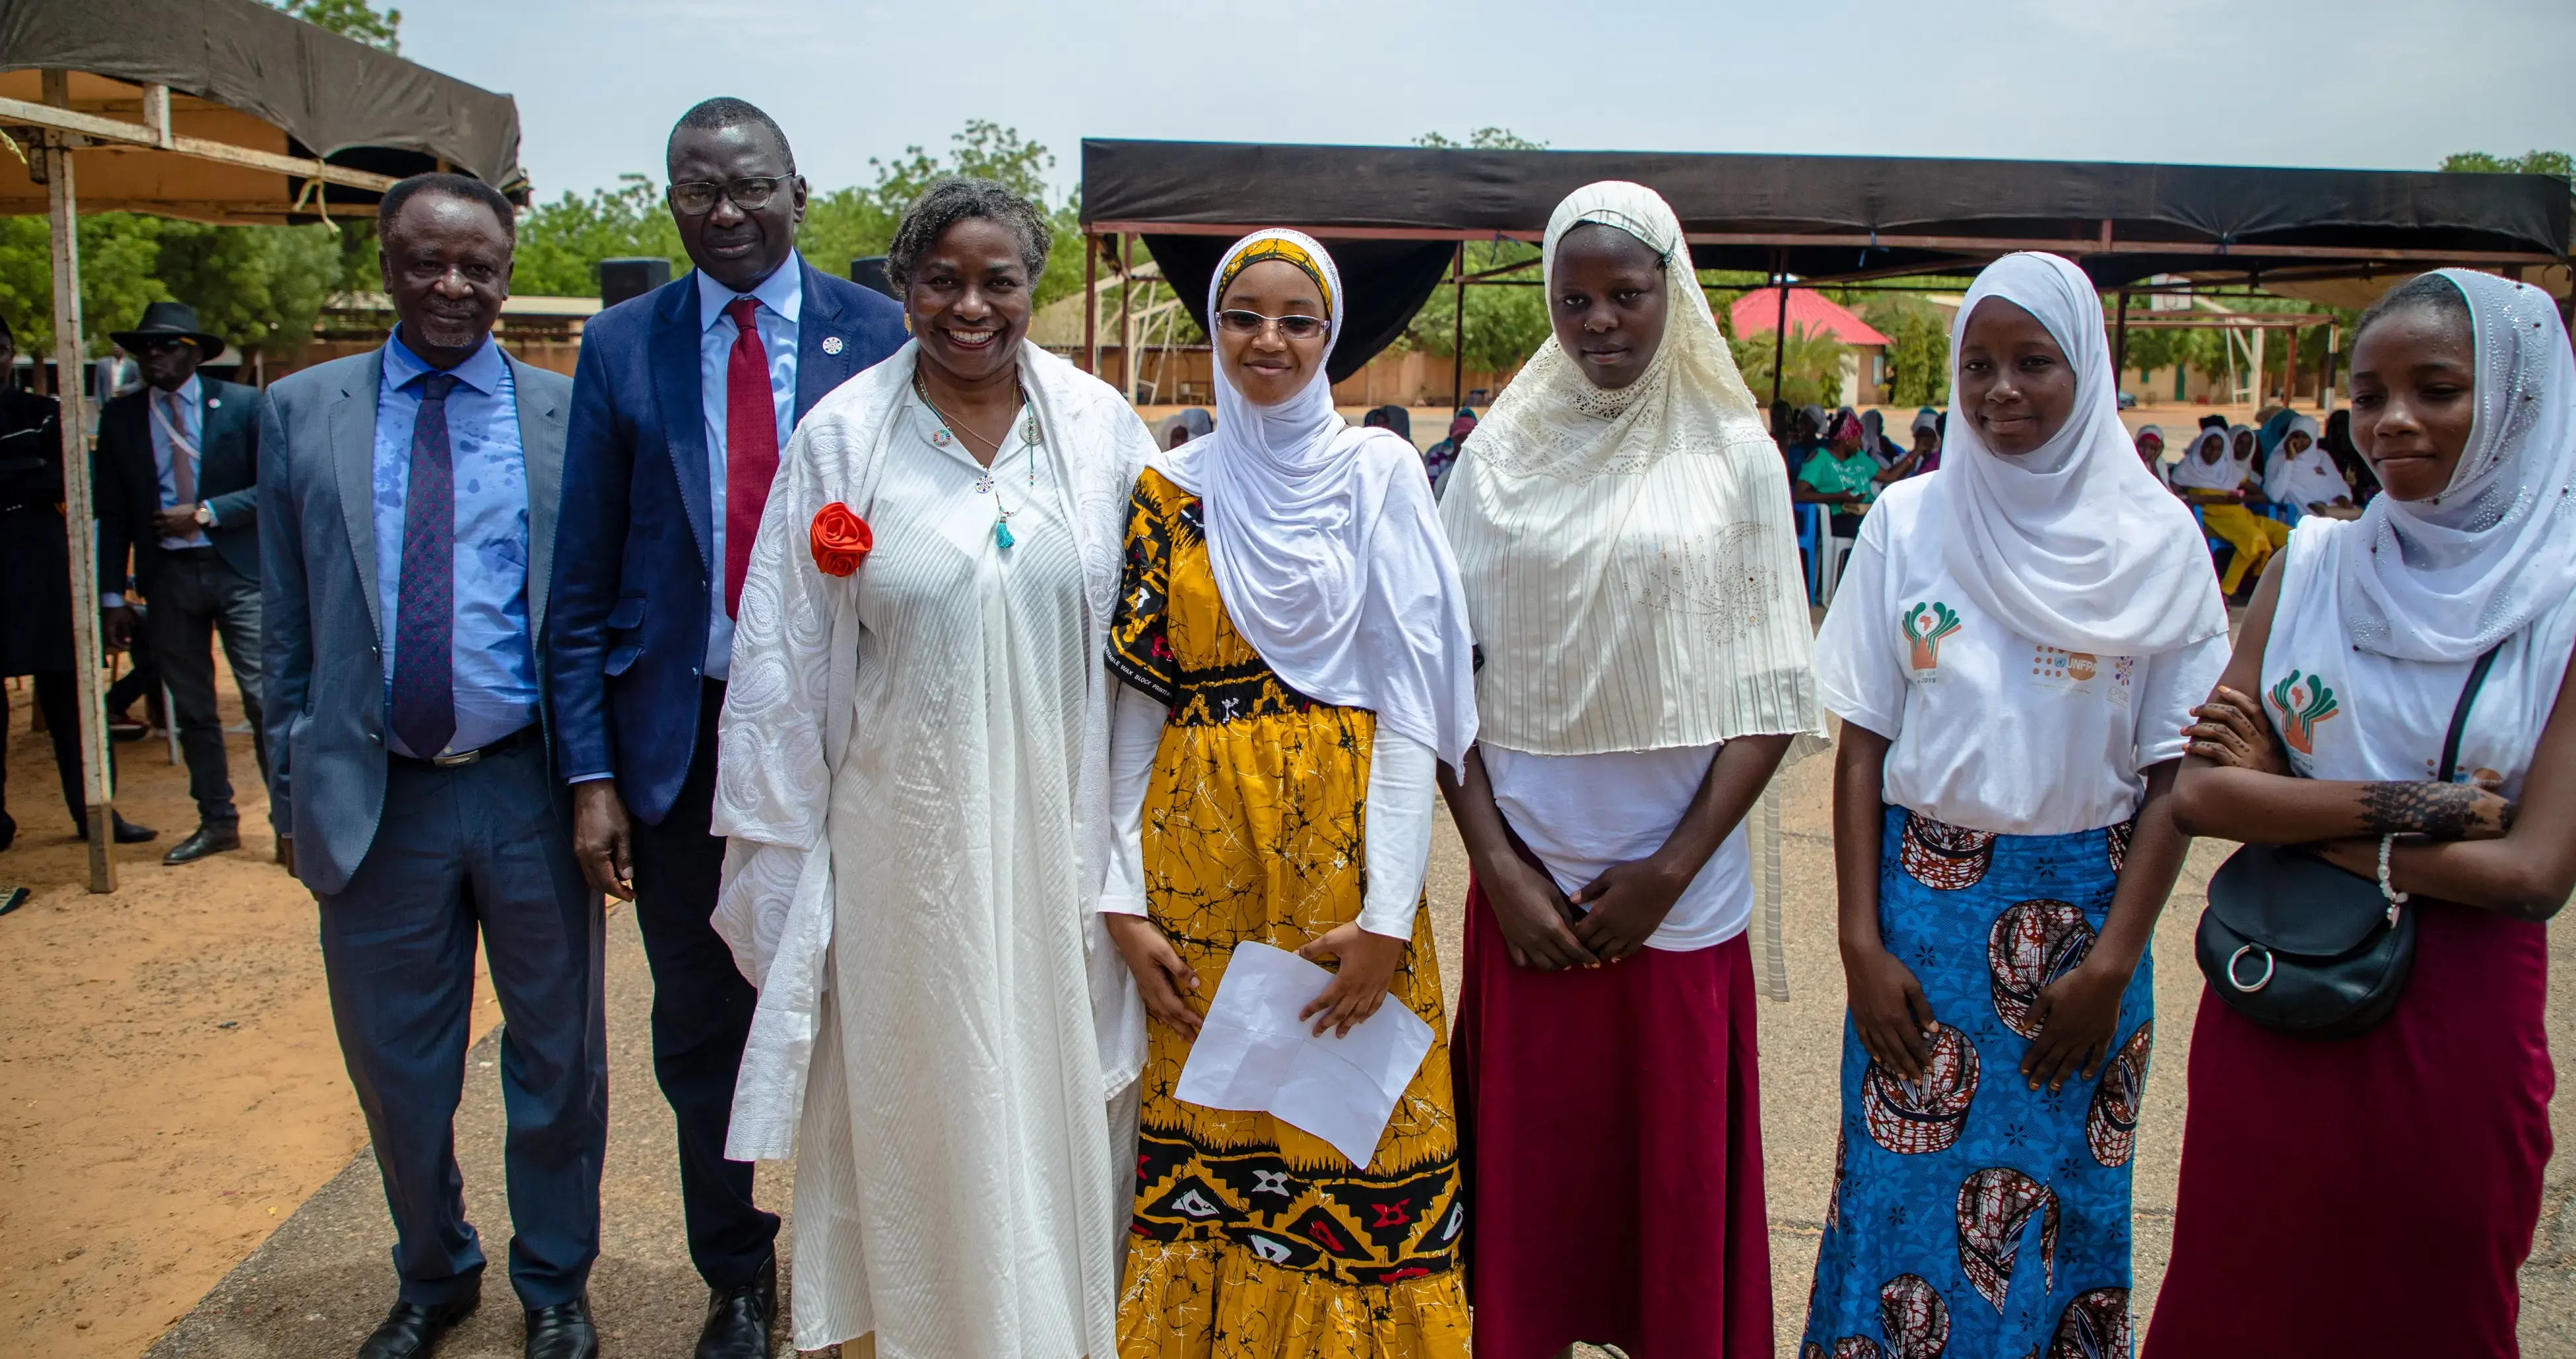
x=1325 y=541
x=2199 y=472
x=2447 y=578
x=2307 y=477
x=2073 y=544
x=1630 y=562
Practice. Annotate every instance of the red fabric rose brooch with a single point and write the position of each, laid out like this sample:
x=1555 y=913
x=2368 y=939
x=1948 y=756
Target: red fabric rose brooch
x=841 y=540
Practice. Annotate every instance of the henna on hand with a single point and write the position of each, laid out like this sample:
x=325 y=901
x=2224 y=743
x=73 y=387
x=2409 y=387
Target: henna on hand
x=2443 y=811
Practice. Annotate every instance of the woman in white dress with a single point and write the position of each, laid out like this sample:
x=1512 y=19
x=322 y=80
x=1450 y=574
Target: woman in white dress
x=930 y=1040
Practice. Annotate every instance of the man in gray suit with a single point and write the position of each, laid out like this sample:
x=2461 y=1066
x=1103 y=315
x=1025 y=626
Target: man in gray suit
x=407 y=503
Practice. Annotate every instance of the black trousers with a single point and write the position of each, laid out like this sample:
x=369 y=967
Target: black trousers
x=701 y=1016
x=58 y=697
x=196 y=597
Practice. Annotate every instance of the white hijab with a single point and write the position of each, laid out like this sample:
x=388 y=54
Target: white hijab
x=1325 y=541
x=2073 y=544
x=2307 y=477
x=2447 y=578
x=1630 y=561
x=2198 y=472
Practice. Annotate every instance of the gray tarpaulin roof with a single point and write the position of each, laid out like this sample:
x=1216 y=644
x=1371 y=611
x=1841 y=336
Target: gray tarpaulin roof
x=331 y=95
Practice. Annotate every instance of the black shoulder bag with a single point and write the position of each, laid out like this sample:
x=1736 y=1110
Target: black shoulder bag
x=2304 y=948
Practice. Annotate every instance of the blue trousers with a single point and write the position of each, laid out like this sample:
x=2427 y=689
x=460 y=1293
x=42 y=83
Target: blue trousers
x=482 y=847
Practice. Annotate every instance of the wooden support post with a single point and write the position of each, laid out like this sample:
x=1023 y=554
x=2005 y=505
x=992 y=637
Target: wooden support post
x=1458 y=335
x=2325 y=380
x=2290 y=371
x=63 y=224
x=2120 y=348
x=1126 y=317
x=1090 y=303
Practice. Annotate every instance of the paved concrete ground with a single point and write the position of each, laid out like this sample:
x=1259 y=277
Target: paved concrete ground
x=317 y=1286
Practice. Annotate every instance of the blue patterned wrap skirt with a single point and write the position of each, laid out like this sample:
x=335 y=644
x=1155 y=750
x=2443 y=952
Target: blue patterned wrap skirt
x=1974 y=1215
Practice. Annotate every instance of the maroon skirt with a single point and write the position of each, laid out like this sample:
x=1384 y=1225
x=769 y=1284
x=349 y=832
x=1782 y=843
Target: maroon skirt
x=2375 y=1196
x=1613 y=1137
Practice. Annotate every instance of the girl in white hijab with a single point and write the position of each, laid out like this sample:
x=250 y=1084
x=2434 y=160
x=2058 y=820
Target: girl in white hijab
x=2212 y=476
x=1622 y=525
x=2017 y=644
x=1295 y=658
x=2410 y=1154
x=2304 y=475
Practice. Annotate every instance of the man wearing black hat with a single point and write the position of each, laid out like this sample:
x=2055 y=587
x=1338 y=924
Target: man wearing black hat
x=36 y=606
x=177 y=467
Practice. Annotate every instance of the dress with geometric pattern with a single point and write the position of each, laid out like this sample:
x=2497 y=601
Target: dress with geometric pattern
x=1251 y=1237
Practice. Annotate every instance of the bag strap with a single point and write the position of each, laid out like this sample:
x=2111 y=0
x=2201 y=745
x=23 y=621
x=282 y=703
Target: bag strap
x=2460 y=714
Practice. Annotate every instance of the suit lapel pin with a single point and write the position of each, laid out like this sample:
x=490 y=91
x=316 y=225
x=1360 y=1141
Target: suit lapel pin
x=831 y=344
x=214 y=401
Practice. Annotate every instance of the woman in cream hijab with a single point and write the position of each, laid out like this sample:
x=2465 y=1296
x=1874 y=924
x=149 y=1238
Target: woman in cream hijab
x=1295 y=659
x=1622 y=524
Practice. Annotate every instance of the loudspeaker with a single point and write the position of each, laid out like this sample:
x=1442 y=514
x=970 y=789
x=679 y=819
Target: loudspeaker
x=868 y=271
x=634 y=276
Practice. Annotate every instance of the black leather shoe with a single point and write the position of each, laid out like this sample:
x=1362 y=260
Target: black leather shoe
x=127 y=833
x=209 y=839
x=411 y=1331
x=739 y=1319
x=562 y=1331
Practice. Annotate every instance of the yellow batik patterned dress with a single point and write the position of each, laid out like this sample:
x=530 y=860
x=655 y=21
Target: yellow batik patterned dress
x=1250 y=1237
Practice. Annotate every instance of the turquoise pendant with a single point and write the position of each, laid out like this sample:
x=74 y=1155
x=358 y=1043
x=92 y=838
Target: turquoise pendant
x=1002 y=534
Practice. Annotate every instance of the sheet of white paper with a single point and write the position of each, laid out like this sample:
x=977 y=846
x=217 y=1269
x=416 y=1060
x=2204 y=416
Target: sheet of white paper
x=1254 y=1053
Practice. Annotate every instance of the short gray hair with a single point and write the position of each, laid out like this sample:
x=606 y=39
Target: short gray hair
x=953 y=199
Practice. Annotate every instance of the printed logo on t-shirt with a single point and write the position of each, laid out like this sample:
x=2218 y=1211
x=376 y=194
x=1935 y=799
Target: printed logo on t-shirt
x=2077 y=672
x=1925 y=626
x=2303 y=701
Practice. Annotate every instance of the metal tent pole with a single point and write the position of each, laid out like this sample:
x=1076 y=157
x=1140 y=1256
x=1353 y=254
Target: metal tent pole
x=1126 y=317
x=63 y=222
x=1458 y=334
x=1090 y=303
x=1780 y=328
x=2120 y=347
x=2325 y=380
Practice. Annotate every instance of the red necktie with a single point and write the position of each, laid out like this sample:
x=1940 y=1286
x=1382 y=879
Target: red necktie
x=751 y=445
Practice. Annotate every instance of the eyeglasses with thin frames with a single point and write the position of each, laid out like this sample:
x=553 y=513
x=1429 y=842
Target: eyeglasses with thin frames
x=1239 y=322
x=697 y=197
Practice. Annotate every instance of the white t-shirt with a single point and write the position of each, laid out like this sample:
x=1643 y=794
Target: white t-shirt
x=1988 y=729
x=1582 y=813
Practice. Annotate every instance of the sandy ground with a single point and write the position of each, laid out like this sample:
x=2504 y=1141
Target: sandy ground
x=170 y=1088
x=173 y=1093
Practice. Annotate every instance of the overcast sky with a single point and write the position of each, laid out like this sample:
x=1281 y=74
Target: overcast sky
x=2350 y=83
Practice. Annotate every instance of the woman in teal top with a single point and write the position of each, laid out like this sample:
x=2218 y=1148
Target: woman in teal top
x=1842 y=475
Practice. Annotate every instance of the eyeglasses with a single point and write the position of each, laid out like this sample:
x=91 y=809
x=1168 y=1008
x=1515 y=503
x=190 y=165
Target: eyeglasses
x=1253 y=323
x=697 y=197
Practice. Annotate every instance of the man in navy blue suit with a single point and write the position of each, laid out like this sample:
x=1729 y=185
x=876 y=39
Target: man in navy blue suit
x=681 y=404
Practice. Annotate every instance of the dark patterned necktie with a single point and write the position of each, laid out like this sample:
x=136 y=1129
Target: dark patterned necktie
x=424 y=697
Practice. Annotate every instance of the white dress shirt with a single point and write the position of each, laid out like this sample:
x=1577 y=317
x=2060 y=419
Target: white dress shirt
x=781 y=296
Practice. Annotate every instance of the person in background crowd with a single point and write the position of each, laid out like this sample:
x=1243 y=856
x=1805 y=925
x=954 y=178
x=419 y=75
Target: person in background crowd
x=2271 y=426
x=409 y=732
x=1616 y=1155
x=2151 y=450
x=1806 y=438
x=2305 y=477
x=915 y=777
x=1292 y=646
x=1926 y=452
x=2015 y=649
x=1843 y=476
x=2411 y=1154
x=1182 y=426
x=178 y=467
x=36 y=593
x=2213 y=478
x=681 y=402
x=2337 y=442
x=1440 y=459
x=1874 y=440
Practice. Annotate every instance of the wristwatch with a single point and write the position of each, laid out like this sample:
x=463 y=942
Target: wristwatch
x=205 y=514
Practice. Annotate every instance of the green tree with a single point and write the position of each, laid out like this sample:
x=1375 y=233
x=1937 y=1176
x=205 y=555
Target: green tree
x=258 y=287
x=1918 y=350
x=354 y=19
x=561 y=243
x=1482 y=139
x=2531 y=163
x=847 y=223
x=1811 y=364
x=1506 y=320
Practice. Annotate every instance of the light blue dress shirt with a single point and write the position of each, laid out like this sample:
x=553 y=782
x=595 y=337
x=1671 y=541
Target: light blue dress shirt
x=780 y=296
x=495 y=660
x=192 y=429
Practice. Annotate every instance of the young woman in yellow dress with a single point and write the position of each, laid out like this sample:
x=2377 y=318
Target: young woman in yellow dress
x=1294 y=647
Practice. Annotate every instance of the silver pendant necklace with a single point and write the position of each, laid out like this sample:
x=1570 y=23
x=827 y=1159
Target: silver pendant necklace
x=1030 y=435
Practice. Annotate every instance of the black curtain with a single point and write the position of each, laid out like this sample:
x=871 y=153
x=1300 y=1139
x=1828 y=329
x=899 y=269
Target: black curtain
x=1384 y=283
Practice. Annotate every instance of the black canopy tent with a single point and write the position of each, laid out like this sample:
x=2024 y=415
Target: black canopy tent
x=1819 y=219
x=218 y=110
